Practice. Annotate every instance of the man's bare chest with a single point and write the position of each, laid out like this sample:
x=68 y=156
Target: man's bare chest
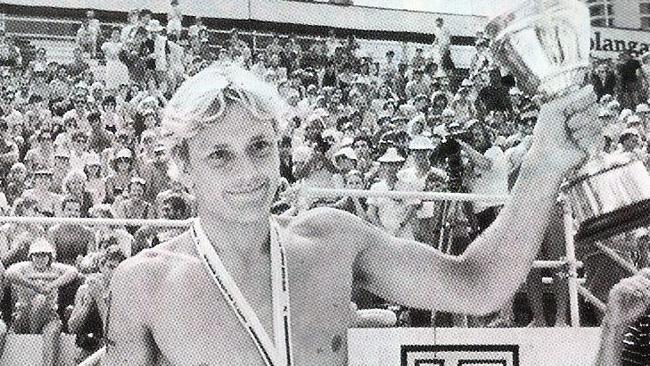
x=193 y=324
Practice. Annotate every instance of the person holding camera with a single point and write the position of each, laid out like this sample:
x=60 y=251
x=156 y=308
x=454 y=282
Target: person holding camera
x=490 y=172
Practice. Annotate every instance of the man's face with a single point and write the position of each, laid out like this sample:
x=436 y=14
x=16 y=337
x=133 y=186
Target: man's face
x=345 y=164
x=42 y=180
x=361 y=148
x=160 y=156
x=234 y=165
x=391 y=169
x=76 y=185
x=354 y=182
x=169 y=213
x=630 y=143
x=61 y=162
x=136 y=191
x=72 y=209
x=79 y=143
x=421 y=157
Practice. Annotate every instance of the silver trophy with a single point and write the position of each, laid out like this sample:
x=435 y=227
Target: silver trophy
x=545 y=44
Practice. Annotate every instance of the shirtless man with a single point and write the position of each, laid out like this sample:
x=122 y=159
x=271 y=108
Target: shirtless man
x=224 y=124
x=36 y=284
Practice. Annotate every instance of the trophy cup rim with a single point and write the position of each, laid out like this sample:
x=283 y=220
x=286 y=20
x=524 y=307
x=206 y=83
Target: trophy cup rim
x=504 y=23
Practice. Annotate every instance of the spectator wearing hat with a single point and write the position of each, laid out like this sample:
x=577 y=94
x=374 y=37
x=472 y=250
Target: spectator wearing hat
x=490 y=172
x=35 y=285
x=123 y=170
x=635 y=121
x=135 y=207
x=42 y=155
x=60 y=85
x=630 y=146
x=60 y=169
x=74 y=185
x=463 y=105
x=417 y=85
x=604 y=81
x=643 y=111
x=388 y=213
x=414 y=177
x=94 y=182
x=155 y=174
x=15 y=238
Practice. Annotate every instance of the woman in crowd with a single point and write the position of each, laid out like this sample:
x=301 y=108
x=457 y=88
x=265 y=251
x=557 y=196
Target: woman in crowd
x=106 y=234
x=123 y=170
x=74 y=184
x=48 y=203
x=95 y=182
x=16 y=183
x=116 y=72
x=352 y=204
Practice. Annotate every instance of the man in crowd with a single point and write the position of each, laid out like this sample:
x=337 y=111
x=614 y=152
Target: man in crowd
x=90 y=312
x=35 y=285
x=174 y=207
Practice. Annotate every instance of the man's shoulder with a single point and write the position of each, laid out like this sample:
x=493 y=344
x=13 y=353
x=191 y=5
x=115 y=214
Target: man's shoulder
x=149 y=268
x=321 y=222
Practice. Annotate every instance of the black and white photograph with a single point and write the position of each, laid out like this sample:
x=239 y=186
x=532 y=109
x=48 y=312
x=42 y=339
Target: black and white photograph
x=325 y=182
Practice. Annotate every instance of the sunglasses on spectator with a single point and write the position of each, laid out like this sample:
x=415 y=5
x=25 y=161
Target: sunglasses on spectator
x=123 y=160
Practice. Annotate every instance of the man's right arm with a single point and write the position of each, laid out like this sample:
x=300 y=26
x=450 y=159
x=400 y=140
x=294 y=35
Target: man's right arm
x=128 y=340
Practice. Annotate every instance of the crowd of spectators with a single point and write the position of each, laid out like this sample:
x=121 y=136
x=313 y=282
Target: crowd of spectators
x=82 y=139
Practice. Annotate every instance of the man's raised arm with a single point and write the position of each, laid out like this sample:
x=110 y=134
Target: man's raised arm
x=496 y=263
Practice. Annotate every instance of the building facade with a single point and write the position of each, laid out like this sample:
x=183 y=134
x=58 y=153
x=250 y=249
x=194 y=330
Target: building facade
x=632 y=14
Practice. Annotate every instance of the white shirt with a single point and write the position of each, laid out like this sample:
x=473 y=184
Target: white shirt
x=493 y=181
x=391 y=212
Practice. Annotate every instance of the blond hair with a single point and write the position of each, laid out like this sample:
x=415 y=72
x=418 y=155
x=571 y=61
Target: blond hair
x=202 y=100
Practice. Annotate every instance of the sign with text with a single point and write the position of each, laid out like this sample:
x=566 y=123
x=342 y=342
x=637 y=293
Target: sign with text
x=609 y=42
x=473 y=346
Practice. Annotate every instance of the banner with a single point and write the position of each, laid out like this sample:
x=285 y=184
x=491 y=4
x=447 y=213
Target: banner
x=473 y=346
x=609 y=42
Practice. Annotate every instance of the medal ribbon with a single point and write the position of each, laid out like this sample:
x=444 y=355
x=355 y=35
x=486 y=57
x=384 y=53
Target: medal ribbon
x=274 y=354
